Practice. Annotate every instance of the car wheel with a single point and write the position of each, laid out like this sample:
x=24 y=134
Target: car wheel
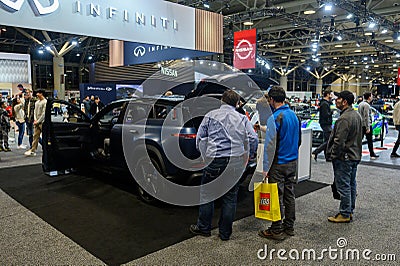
x=148 y=169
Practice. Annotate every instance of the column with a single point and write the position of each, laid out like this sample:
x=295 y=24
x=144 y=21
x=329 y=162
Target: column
x=283 y=82
x=59 y=79
x=318 y=89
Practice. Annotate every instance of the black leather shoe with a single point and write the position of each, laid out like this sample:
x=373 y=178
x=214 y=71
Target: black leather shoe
x=196 y=231
x=394 y=155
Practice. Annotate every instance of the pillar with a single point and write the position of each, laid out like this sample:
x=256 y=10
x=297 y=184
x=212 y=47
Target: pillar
x=283 y=82
x=318 y=89
x=59 y=78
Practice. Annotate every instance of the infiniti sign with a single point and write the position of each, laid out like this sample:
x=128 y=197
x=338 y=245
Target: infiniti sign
x=139 y=51
x=37 y=7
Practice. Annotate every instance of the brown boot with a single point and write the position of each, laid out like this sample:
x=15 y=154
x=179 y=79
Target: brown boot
x=339 y=218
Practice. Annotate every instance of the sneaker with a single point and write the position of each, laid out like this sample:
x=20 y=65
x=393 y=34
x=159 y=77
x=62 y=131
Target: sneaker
x=22 y=146
x=374 y=156
x=271 y=235
x=315 y=156
x=289 y=231
x=30 y=153
x=394 y=155
x=7 y=149
x=339 y=218
x=194 y=229
x=222 y=238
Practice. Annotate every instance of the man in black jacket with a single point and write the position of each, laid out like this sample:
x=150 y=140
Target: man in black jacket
x=325 y=120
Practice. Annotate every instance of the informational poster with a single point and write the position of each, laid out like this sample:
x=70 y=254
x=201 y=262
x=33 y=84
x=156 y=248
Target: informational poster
x=245 y=49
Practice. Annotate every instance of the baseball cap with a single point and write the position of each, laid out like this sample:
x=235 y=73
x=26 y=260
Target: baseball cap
x=346 y=95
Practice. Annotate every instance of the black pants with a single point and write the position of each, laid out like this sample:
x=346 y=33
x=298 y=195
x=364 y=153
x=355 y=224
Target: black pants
x=396 y=145
x=369 y=140
x=327 y=129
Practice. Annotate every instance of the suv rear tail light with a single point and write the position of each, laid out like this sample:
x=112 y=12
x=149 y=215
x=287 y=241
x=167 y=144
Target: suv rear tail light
x=185 y=136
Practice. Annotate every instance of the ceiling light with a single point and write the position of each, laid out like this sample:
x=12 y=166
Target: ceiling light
x=389 y=40
x=358 y=44
x=376 y=65
x=284 y=57
x=3 y=29
x=78 y=54
x=297 y=50
x=41 y=51
x=302 y=60
x=384 y=31
x=271 y=45
x=339 y=37
x=349 y=16
x=308 y=68
x=248 y=23
x=346 y=67
x=338 y=45
x=328 y=7
x=335 y=58
x=367 y=66
x=309 y=12
x=358 y=51
x=368 y=33
x=371 y=25
x=90 y=57
x=355 y=63
x=74 y=42
x=365 y=58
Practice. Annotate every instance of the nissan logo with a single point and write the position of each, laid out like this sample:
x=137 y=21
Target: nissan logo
x=139 y=51
x=37 y=7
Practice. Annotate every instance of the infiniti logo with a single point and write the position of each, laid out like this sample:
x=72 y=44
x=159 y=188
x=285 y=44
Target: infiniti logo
x=37 y=7
x=139 y=51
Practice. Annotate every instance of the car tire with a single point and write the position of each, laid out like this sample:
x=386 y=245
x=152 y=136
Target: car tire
x=143 y=167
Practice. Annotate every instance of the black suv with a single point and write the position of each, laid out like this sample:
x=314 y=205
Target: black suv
x=73 y=140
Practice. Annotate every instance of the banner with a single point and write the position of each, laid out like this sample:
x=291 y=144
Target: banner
x=244 y=51
x=140 y=53
x=106 y=92
x=398 y=76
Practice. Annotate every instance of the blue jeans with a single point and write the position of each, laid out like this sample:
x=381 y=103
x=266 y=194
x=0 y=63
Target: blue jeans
x=345 y=180
x=21 y=132
x=229 y=199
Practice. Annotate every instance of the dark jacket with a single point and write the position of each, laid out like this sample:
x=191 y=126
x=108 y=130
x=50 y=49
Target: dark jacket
x=345 y=142
x=93 y=108
x=325 y=113
x=29 y=118
x=4 y=120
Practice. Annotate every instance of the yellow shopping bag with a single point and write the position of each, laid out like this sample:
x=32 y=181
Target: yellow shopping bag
x=266 y=201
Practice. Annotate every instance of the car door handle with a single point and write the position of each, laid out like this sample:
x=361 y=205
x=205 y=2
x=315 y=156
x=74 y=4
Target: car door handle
x=133 y=131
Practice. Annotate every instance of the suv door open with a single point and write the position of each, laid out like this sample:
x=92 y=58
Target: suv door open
x=65 y=137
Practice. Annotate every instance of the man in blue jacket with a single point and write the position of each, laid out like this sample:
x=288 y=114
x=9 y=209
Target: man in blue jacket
x=284 y=163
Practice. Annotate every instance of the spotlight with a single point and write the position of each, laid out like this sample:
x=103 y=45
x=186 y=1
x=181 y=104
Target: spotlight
x=358 y=44
x=206 y=4
x=328 y=7
x=74 y=42
x=41 y=51
x=339 y=37
x=349 y=16
x=308 y=68
x=48 y=48
x=384 y=31
x=90 y=57
x=371 y=25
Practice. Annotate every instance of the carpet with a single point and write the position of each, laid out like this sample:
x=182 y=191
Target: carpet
x=103 y=214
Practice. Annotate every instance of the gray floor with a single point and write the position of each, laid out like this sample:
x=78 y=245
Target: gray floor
x=26 y=239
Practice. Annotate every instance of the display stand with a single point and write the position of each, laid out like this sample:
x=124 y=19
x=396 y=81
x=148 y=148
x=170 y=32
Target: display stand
x=304 y=161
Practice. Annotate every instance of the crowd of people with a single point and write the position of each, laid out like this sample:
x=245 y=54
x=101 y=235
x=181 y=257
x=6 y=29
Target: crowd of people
x=27 y=112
